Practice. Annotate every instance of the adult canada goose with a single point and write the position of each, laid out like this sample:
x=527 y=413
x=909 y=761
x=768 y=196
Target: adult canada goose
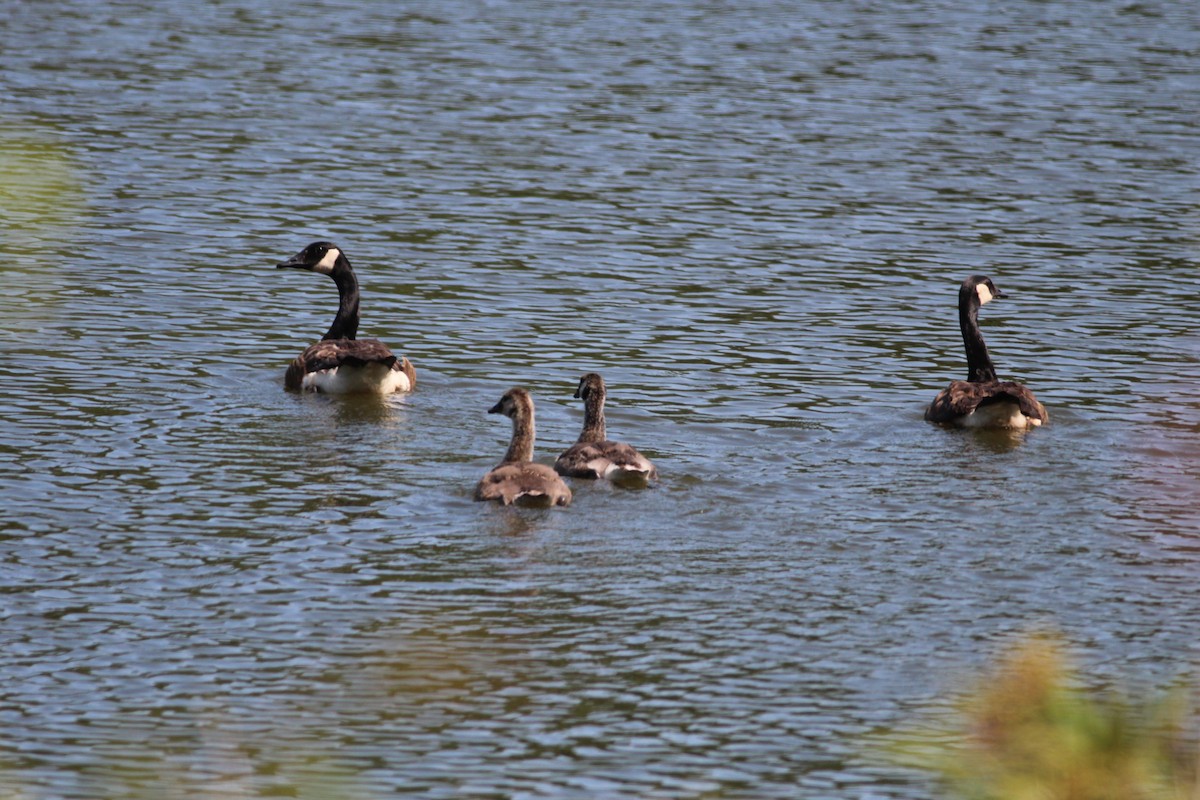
x=517 y=478
x=593 y=455
x=982 y=400
x=340 y=363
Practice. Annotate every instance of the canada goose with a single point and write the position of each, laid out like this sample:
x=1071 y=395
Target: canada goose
x=517 y=478
x=593 y=455
x=982 y=400
x=339 y=363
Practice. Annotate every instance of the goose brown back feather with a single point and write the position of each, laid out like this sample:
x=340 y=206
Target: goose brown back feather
x=330 y=354
x=517 y=478
x=983 y=400
x=963 y=398
x=340 y=362
x=594 y=455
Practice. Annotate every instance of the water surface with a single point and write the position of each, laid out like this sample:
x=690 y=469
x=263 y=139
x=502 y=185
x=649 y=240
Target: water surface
x=751 y=218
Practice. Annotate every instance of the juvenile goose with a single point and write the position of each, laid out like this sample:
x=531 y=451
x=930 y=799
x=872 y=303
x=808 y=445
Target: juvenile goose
x=517 y=478
x=593 y=455
x=339 y=363
x=982 y=400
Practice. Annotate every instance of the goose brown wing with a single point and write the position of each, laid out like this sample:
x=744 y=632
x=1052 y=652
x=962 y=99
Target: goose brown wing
x=626 y=457
x=575 y=461
x=351 y=352
x=1021 y=395
x=332 y=353
x=593 y=459
x=963 y=397
x=510 y=482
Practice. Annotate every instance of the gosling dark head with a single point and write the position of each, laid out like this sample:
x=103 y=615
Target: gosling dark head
x=589 y=384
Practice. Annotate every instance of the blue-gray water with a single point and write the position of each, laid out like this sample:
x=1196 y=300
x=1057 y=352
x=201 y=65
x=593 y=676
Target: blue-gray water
x=752 y=218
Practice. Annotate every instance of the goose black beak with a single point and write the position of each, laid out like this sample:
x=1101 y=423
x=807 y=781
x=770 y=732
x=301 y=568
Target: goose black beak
x=999 y=295
x=294 y=261
x=496 y=408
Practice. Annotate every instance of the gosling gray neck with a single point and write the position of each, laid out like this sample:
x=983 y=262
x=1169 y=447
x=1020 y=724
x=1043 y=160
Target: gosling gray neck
x=593 y=418
x=520 y=448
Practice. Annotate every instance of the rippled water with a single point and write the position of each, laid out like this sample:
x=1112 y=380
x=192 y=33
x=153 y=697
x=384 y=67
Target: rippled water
x=752 y=218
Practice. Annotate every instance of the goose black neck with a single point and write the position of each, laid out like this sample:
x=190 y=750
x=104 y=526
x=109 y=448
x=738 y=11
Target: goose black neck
x=979 y=364
x=521 y=446
x=593 y=417
x=345 y=324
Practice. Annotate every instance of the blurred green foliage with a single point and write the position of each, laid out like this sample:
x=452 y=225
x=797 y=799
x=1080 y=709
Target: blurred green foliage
x=1031 y=730
x=41 y=192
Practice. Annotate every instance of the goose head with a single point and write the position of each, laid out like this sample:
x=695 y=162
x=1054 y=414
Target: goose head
x=317 y=257
x=515 y=403
x=980 y=289
x=589 y=385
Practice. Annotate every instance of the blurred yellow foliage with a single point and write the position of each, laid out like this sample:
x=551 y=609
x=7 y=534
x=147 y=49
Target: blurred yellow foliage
x=1030 y=730
x=39 y=186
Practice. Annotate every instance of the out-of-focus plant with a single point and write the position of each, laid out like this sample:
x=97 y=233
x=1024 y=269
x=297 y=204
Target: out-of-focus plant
x=1031 y=730
x=42 y=203
x=39 y=184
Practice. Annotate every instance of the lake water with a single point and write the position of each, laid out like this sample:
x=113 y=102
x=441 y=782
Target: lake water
x=752 y=218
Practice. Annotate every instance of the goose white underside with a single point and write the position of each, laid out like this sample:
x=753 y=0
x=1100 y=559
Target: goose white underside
x=534 y=498
x=368 y=379
x=610 y=471
x=997 y=415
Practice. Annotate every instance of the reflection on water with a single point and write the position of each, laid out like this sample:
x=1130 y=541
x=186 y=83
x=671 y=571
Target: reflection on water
x=752 y=219
x=993 y=441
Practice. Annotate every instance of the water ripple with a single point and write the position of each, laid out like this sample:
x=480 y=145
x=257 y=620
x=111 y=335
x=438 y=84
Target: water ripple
x=752 y=220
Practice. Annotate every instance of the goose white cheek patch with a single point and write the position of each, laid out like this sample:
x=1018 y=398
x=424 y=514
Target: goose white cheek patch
x=326 y=263
x=985 y=294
